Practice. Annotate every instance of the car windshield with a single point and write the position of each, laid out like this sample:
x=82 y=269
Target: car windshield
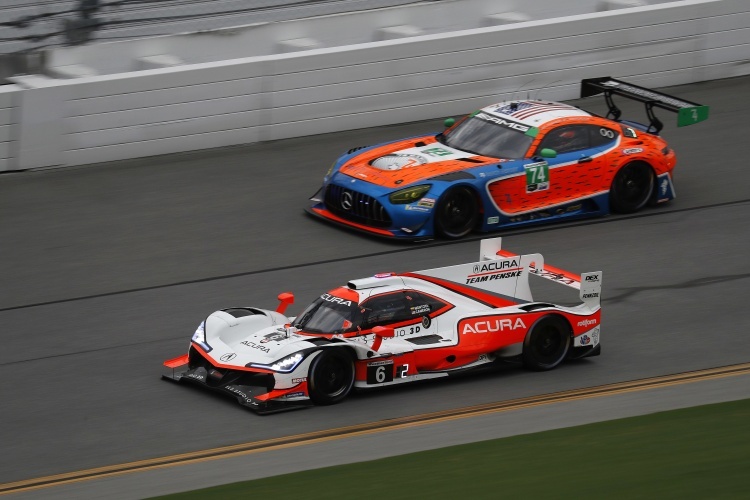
x=488 y=135
x=329 y=314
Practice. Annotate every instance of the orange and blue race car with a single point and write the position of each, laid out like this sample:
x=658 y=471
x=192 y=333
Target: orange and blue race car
x=391 y=329
x=509 y=164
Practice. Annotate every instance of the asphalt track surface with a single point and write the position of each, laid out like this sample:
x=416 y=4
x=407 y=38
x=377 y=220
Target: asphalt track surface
x=106 y=271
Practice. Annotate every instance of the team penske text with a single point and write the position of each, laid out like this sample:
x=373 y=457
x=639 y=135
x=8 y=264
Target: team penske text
x=490 y=277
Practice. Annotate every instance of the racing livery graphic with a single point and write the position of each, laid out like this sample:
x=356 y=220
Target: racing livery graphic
x=509 y=164
x=392 y=329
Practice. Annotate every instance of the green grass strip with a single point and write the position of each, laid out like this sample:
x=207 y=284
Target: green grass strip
x=701 y=452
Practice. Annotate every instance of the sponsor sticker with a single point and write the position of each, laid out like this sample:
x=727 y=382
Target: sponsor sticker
x=553 y=276
x=491 y=325
x=437 y=152
x=227 y=357
x=493 y=220
x=273 y=337
x=416 y=208
x=587 y=322
x=237 y=392
x=503 y=122
x=632 y=151
x=494 y=270
x=293 y=395
x=420 y=309
x=590 y=338
x=256 y=346
x=338 y=300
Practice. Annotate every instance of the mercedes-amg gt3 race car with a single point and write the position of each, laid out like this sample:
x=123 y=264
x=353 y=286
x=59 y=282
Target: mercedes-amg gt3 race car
x=392 y=329
x=509 y=164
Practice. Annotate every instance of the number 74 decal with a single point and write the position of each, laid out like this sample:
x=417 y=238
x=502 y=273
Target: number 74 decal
x=537 y=176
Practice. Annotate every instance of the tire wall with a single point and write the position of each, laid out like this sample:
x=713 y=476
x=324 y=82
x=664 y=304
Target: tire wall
x=187 y=107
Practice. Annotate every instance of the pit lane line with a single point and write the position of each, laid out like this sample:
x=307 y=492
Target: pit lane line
x=375 y=427
x=407 y=247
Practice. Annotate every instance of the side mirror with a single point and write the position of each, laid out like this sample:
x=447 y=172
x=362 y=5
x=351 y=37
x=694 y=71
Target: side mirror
x=285 y=299
x=381 y=332
x=384 y=331
x=548 y=153
x=449 y=122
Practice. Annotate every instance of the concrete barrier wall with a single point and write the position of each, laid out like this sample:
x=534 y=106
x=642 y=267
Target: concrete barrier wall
x=199 y=106
x=8 y=121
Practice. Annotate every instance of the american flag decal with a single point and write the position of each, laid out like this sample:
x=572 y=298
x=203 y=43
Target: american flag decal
x=526 y=109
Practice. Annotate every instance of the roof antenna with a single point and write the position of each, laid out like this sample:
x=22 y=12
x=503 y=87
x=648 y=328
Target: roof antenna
x=546 y=86
x=512 y=96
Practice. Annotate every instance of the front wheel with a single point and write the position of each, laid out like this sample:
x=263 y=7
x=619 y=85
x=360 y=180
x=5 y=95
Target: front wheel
x=457 y=213
x=331 y=377
x=547 y=344
x=631 y=188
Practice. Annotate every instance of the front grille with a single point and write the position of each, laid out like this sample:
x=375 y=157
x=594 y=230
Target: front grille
x=356 y=207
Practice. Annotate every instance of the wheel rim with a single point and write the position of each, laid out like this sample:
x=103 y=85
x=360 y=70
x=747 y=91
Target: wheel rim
x=633 y=186
x=549 y=344
x=457 y=214
x=332 y=379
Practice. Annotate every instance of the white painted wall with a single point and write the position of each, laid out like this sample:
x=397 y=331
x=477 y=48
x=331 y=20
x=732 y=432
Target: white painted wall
x=429 y=17
x=190 y=107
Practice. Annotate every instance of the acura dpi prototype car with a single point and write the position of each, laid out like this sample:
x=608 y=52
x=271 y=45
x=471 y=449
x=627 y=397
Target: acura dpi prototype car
x=392 y=329
x=508 y=164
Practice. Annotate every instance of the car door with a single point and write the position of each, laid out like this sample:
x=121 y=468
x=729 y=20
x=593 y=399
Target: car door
x=577 y=170
x=546 y=183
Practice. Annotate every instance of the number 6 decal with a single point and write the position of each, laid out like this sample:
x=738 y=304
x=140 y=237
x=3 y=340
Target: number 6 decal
x=380 y=372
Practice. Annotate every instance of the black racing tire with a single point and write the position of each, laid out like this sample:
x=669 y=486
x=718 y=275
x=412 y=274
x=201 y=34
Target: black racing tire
x=331 y=377
x=632 y=188
x=457 y=213
x=547 y=343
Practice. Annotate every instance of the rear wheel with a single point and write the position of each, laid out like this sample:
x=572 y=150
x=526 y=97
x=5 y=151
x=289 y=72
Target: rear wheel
x=457 y=213
x=331 y=377
x=547 y=344
x=631 y=188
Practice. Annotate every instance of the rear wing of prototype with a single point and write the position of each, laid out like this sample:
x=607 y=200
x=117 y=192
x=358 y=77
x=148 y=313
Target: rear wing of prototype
x=506 y=273
x=688 y=113
x=588 y=284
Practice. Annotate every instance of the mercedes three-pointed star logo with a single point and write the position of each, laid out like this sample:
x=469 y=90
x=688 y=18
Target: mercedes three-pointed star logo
x=347 y=201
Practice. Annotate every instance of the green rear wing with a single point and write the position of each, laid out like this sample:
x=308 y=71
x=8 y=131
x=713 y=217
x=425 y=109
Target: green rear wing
x=688 y=113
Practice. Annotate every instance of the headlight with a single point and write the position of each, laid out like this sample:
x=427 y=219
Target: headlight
x=284 y=365
x=409 y=195
x=199 y=337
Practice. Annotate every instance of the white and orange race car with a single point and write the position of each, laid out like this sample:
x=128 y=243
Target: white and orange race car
x=507 y=165
x=393 y=328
